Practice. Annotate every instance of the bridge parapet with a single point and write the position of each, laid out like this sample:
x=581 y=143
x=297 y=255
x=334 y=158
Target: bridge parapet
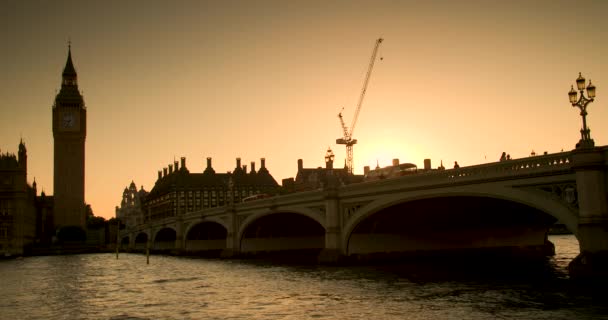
x=543 y=165
x=558 y=162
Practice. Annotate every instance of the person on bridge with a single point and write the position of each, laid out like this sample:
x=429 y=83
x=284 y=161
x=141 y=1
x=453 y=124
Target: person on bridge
x=456 y=166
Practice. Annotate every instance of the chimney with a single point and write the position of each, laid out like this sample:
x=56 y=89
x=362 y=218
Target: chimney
x=427 y=164
x=238 y=162
x=160 y=174
x=300 y=164
x=175 y=165
x=183 y=163
x=366 y=170
x=209 y=162
x=170 y=169
x=164 y=172
x=245 y=168
x=395 y=162
x=262 y=163
x=252 y=166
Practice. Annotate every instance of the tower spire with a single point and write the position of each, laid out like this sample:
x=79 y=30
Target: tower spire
x=69 y=72
x=69 y=94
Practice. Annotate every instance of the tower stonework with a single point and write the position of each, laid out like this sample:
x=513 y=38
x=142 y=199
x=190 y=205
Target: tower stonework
x=69 y=133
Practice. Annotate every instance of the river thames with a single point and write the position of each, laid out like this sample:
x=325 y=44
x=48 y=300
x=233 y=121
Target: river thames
x=98 y=286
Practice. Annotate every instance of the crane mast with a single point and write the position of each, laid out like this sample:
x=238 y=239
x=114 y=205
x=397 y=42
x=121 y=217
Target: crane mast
x=348 y=134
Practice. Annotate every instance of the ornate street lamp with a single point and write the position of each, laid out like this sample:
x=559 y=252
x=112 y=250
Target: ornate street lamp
x=581 y=103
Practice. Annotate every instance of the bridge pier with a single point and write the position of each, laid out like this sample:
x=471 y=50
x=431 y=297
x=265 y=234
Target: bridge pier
x=334 y=251
x=132 y=236
x=179 y=237
x=591 y=180
x=232 y=244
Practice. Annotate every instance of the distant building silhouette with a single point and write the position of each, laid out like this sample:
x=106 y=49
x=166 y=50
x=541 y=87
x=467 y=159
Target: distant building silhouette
x=131 y=211
x=17 y=204
x=395 y=170
x=178 y=191
x=316 y=178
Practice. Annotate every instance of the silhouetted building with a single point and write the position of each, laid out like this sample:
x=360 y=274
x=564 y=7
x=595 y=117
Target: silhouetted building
x=316 y=178
x=17 y=204
x=69 y=133
x=396 y=170
x=177 y=191
x=45 y=226
x=131 y=211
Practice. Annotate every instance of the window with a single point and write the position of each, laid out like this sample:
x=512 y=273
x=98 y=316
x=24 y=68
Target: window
x=6 y=208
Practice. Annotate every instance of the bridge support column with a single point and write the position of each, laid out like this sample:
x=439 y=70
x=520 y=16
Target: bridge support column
x=131 y=245
x=179 y=236
x=232 y=243
x=333 y=252
x=591 y=180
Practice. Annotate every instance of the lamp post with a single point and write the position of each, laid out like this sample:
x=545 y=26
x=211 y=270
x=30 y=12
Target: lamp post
x=582 y=102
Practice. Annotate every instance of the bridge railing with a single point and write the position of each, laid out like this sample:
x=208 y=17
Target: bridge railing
x=536 y=165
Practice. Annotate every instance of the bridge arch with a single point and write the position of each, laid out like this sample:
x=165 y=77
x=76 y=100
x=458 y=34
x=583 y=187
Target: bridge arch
x=547 y=205
x=141 y=240
x=206 y=236
x=216 y=220
x=124 y=242
x=164 y=239
x=282 y=230
x=314 y=215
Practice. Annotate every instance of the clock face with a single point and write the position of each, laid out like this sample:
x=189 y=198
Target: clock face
x=68 y=121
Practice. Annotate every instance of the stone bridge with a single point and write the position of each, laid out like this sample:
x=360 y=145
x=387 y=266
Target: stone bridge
x=507 y=205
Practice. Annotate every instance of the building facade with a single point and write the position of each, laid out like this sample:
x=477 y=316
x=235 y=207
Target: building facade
x=315 y=178
x=178 y=191
x=17 y=204
x=131 y=211
x=69 y=133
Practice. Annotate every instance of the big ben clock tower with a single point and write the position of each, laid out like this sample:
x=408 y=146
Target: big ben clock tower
x=69 y=133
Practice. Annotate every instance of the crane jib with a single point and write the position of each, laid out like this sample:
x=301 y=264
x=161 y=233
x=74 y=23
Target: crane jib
x=347 y=139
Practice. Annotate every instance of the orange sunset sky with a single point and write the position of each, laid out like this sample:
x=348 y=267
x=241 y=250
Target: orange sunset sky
x=459 y=81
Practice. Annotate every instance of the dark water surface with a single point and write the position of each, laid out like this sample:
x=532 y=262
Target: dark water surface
x=98 y=286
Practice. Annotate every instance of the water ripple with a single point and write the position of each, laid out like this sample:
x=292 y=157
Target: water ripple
x=102 y=287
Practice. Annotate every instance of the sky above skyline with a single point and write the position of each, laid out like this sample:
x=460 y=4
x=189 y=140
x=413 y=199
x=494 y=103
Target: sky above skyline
x=459 y=81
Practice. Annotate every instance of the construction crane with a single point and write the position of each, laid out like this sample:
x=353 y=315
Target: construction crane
x=348 y=135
